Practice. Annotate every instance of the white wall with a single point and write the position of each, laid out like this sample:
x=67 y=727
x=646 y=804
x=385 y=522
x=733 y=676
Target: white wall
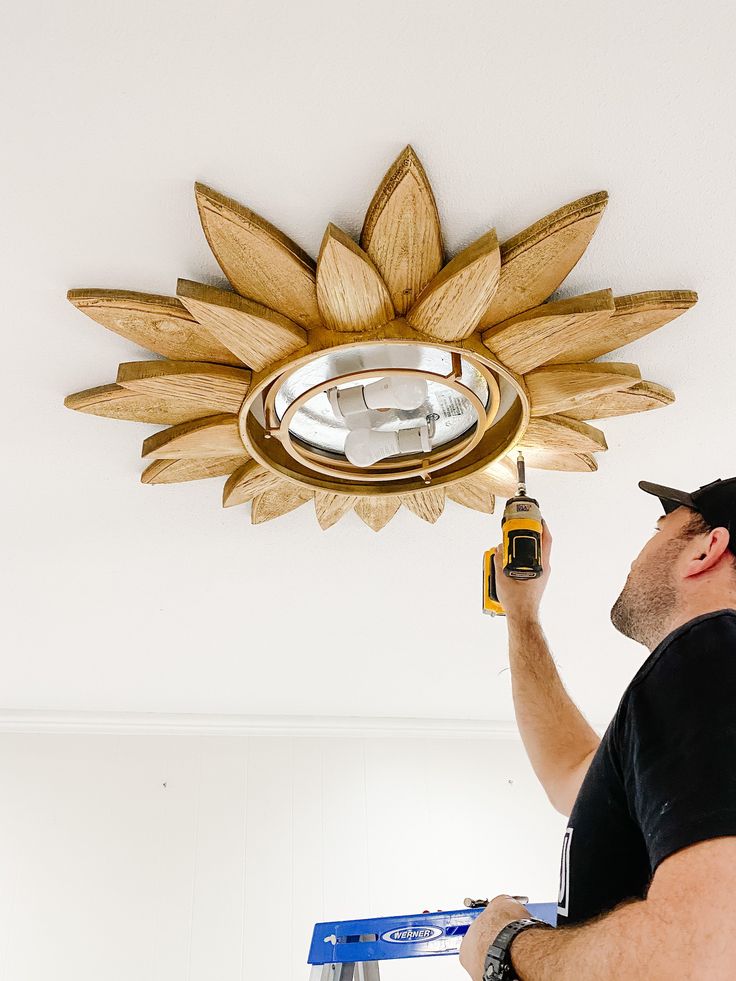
x=209 y=857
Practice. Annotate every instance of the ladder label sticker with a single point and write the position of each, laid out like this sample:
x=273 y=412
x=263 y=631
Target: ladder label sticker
x=412 y=935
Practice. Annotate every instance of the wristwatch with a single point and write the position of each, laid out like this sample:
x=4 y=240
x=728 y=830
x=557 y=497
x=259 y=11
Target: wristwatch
x=498 y=966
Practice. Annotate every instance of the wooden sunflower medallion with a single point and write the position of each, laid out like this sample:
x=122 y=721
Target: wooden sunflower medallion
x=381 y=375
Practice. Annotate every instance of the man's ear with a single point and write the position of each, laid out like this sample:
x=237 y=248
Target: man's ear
x=712 y=546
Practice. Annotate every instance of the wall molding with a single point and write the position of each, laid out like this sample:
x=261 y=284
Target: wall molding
x=152 y=723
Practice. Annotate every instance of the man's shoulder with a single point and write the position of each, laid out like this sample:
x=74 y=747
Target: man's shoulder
x=695 y=663
x=692 y=646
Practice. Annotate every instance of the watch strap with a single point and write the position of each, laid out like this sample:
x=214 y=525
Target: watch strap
x=498 y=966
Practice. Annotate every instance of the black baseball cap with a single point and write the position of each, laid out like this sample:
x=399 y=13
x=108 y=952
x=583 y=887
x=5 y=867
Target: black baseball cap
x=716 y=502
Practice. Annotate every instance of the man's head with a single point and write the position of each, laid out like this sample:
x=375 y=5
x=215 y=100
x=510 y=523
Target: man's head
x=685 y=568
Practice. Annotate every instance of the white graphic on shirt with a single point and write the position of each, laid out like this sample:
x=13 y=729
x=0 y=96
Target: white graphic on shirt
x=563 y=902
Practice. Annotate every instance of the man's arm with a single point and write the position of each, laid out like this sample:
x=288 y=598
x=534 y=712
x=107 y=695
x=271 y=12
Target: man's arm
x=559 y=742
x=685 y=928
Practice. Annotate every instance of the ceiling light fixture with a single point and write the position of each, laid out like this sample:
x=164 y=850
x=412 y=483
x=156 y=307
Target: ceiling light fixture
x=381 y=375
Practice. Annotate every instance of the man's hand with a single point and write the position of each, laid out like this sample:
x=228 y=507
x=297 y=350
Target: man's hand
x=520 y=598
x=685 y=928
x=483 y=931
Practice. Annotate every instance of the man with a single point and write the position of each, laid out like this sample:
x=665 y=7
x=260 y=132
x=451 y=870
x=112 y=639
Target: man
x=648 y=871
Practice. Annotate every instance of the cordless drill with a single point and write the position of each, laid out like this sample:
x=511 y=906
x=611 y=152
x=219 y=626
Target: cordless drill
x=522 y=543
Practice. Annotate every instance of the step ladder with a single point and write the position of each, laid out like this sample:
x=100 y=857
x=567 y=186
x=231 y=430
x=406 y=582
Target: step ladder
x=351 y=950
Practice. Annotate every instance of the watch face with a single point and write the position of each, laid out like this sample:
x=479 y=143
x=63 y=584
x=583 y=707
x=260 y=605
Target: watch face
x=500 y=974
x=495 y=970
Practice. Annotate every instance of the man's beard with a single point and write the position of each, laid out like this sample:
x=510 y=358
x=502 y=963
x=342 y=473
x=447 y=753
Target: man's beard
x=645 y=605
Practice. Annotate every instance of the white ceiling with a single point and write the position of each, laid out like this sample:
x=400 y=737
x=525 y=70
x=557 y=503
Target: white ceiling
x=123 y=597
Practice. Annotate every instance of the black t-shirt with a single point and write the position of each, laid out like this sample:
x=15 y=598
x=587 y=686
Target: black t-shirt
x=664 y=775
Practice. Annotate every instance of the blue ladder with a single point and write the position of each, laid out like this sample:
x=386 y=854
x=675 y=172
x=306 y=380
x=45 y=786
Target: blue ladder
x=351 y=950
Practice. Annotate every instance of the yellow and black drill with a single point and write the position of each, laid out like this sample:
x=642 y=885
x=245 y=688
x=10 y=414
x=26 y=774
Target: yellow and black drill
x=522 y=543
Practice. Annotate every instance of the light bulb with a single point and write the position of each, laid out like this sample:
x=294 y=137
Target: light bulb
x=396 y=392
x=363 y=447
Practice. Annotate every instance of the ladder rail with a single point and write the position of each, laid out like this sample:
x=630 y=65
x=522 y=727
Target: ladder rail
x=358 y=943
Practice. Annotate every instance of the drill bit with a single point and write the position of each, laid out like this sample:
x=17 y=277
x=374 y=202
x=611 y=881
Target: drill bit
x=521 y=474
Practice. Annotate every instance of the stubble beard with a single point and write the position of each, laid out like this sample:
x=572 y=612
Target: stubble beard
x=649 y=598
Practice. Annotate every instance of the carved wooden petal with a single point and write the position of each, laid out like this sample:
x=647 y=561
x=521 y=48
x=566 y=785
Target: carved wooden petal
x=558 y=460
x=350 y=292
x=559 y=387
x=558 y=432
x=537 y=260
x=401 y=232
x=257 y=335
x=259 y=260
x=634 y=316
x=329 y=508
x=159 y=323
x=286 y=497
x=503 y=476
x=534 y=338
x=476 y=492
x=247 y=482
x=451 y=305
x=214 y=387
x=116 y=402
x=177 y=471
x=377 y=511
x=641 y=397
x=214 y=436
x=426 y=504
